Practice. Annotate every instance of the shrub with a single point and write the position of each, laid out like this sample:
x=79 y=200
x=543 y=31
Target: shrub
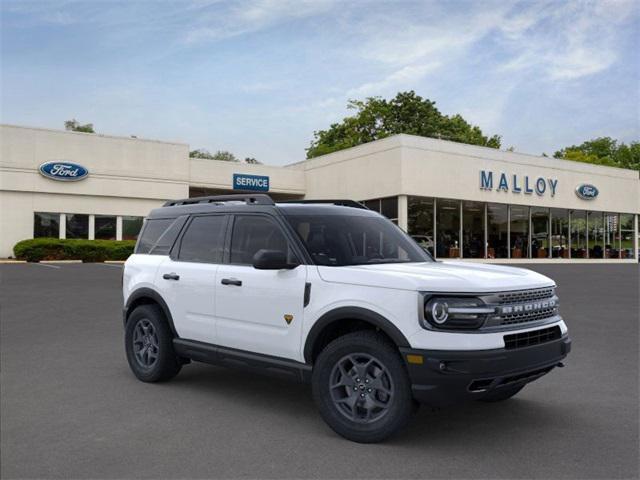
x=37 y=249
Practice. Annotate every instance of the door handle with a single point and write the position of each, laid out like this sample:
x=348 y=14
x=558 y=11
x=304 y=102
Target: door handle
x=231 y=281
x=171 y=276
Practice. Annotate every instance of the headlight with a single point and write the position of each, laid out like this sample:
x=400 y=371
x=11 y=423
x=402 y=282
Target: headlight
x=456 y=312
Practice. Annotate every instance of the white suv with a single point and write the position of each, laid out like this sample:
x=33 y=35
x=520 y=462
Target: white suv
x=337 y=295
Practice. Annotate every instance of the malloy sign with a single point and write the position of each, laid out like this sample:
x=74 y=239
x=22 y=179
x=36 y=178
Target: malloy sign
x=518 y=183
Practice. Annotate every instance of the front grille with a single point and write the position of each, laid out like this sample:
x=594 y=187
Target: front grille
x=525 y=295
x=534 y=337
x=524 y=317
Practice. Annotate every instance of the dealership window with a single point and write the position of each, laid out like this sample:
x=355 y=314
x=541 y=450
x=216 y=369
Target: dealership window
x=46 y=225
x=626 y=235
x=559 y=233
x=578 y=234
x=105 y=227
x=473 y=230
x=448 y=228
x=595 y=237
x=497 y=230
x=385 y=206
x=131 y=227
x=519 y=231
x=420 y=221
x=77 y=225
x=539 y=232
x=611 y=235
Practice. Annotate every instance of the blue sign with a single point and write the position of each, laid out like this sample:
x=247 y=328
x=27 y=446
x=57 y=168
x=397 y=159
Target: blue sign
x=63 y=171
x=518 y=183
x=586 y=191
x=254 y=183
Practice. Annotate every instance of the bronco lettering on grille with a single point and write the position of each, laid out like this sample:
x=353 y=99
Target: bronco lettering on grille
x=526 y=307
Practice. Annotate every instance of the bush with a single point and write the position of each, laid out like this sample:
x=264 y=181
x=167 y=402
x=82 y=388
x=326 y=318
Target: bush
x=37 y=249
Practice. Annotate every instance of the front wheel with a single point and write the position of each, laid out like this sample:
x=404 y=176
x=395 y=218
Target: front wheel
x=361 y=387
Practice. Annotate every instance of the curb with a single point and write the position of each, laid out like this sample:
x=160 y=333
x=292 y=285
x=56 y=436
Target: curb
x=114 y=262
x=60 y=261
x=4 y=261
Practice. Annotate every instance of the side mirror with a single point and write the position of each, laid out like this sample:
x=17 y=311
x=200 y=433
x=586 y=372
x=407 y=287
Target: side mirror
x=272 y=260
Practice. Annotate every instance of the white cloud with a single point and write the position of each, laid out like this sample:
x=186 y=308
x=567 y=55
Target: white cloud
x=405 y=77
x=250 y=16
x=565 y=41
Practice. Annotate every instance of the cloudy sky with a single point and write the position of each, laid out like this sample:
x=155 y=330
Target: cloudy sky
x=258 y=77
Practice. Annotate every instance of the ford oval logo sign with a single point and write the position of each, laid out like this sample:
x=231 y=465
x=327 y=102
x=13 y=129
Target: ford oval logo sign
x=586 y=191
x=63 y=171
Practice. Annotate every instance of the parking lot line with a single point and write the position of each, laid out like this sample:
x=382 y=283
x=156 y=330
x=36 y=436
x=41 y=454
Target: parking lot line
x=46 y=265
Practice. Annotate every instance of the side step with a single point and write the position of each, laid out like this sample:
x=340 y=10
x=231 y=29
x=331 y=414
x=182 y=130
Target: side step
x=231 y=357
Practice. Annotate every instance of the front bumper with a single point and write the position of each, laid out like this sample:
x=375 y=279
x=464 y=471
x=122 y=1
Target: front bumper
x=445 y=377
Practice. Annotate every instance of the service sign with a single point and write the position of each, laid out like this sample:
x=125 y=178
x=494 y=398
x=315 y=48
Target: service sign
x=586 y=191
x=63 y=171
x=254 y=183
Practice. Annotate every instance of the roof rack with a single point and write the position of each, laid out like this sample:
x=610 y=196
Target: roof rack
x=258 y=199
x=339 y=202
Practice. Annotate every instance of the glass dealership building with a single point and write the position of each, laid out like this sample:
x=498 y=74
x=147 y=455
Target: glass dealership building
x=459 y=201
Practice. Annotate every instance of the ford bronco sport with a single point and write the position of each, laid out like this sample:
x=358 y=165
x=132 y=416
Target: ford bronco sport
x=336 y=295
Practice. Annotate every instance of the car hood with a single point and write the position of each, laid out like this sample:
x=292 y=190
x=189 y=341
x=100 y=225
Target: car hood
x=450 y=276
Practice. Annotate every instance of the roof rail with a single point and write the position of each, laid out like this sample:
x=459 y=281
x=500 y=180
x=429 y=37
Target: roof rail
x=340 y=202
x=258 y=199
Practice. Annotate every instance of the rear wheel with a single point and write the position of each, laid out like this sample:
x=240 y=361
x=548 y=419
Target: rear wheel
x=149 y=345
x=501 y=394
x=361 y=387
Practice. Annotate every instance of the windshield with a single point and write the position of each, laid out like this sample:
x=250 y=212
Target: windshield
x=340 y=240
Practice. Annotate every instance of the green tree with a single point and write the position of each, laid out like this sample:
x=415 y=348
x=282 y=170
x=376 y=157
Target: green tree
x=201 y=153
x=377 y=118
x=603 y=151
x=74 y=126
x=219 y=155
x=225 y=156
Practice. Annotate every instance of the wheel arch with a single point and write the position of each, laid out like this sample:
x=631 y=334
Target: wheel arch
x=148 y=296
x=346 y=319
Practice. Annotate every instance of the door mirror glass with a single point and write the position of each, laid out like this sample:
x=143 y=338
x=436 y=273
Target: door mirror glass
x=272 y=260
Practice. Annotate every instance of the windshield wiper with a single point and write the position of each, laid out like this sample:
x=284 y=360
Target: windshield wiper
x=375 y=261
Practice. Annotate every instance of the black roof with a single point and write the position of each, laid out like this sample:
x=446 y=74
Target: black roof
x=257 y=203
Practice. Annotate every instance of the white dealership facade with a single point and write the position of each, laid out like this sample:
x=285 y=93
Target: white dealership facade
x=459 y=201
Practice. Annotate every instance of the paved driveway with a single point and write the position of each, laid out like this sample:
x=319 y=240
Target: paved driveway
x=71 y=408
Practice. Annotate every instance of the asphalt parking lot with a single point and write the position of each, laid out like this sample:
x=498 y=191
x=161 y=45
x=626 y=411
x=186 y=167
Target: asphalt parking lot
x=70 y=408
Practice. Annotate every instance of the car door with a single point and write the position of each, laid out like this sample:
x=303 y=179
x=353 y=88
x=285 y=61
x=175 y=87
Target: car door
x=188 y=277
x=259 y=310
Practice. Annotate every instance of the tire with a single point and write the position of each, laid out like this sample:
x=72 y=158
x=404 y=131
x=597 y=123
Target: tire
x=370 y=399
x=147 y=330
x=501 y=394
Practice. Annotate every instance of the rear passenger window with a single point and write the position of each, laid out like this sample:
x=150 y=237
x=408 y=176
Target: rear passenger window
x=159 y=234
x=151 y=232
x=204 y=240
x=252 y=233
